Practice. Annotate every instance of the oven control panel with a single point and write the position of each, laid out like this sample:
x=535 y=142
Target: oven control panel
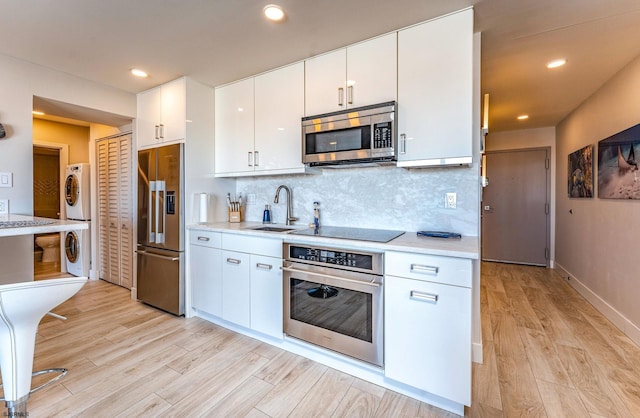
x=335 y=257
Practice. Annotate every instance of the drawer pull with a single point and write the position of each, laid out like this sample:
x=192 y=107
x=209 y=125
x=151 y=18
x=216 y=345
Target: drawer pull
x=426 y=297
x=203 y=238
x=264 y=266
x=422 y=269
x=233 y=261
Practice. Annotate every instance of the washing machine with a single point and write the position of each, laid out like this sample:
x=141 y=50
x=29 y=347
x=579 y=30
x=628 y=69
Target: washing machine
x=77 y=248
x=77 y=195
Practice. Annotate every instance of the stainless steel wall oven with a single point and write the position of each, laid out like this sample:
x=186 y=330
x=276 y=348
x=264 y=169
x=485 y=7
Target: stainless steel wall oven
x=333 y=298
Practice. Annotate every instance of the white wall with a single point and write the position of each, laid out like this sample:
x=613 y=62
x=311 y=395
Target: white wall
x=527 y=139
x=19 y=82
x=597 y=244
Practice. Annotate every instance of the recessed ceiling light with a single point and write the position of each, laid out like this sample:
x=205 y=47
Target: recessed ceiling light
x=273 y=12
x=523 y=117
x=37 y=113
x=556 y=63
x=139 y=73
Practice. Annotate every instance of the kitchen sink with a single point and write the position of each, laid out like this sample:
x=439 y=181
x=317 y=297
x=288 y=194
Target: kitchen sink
x=272 y=229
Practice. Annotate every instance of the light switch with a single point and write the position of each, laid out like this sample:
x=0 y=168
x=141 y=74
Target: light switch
x=6 y=179
x=4 y=206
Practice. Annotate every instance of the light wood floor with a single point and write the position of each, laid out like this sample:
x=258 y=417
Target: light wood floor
x=547 y=353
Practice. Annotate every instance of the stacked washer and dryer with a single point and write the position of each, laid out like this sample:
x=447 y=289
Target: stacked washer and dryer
x=77 y=244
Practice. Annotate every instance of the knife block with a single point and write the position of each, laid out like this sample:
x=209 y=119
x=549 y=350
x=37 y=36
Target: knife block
x=235 y=216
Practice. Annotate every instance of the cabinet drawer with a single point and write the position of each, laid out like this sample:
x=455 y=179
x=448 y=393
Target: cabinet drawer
x=252 y=245
x=430 y=268
x=205 y=238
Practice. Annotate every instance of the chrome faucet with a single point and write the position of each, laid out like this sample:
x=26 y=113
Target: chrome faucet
x=290 y=218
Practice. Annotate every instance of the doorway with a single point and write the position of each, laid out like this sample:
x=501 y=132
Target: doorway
x=47 y=251
x=515 y=207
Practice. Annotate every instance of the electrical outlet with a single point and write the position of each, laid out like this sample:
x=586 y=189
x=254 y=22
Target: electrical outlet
x=4 y=206
x=251 y=198
x=450 y=200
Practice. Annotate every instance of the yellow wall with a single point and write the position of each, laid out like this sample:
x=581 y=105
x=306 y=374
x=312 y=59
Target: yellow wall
x=76 y=137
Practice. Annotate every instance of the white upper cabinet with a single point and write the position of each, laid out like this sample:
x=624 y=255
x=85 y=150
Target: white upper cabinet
x=279 y=107
x=435 y=92
x=258 y=124
x=359 y=75
x=162 y=114
x=234 y=128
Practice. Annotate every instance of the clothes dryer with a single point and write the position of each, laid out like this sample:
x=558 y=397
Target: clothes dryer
x=77 y=246
x=77 y=195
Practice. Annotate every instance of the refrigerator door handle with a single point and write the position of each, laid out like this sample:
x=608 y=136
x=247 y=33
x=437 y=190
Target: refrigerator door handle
x=158 y=256
x=151 y=216
x=161 y=188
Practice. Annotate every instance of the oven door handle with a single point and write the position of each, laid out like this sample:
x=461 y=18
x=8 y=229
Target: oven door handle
x=372 y=283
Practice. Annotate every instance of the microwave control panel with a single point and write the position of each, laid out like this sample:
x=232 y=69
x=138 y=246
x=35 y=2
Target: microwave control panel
x=382 y=135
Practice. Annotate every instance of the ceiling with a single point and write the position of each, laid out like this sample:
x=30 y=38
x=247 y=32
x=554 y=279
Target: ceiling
x=218 y=41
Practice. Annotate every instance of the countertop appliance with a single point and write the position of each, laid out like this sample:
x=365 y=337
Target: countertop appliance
x=360 y=234
x=333 y=299
x=360 y=135
x=160 y=249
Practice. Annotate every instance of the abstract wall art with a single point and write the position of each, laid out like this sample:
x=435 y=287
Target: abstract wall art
x=581 y=172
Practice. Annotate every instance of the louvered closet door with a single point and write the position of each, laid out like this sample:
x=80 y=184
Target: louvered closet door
x=103 y=210
x=115 y=210
x=125 y=213
x=113 y=194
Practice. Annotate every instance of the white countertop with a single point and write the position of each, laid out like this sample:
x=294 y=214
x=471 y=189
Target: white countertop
x=27 y=225
x=466 y=247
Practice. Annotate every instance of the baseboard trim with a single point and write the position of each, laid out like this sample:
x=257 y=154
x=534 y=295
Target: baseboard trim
x=619 y=320
x=476 y=353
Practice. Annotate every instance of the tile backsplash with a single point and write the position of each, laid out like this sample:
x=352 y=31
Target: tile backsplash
x=373 y=197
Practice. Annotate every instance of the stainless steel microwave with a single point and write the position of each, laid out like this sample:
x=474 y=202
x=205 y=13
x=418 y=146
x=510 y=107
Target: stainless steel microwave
x=359 y=135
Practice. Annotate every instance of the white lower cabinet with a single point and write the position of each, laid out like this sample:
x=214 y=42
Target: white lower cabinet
x=205 y=262
x=428 y=325
x=238 y=278
x=236 y=287
x=266 y=295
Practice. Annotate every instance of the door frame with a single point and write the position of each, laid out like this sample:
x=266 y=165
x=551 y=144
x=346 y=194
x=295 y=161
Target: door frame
x=63 y=155
x=550 y=164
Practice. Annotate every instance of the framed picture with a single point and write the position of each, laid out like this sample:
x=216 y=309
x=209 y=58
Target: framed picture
x=581 y=172
x=618 y=176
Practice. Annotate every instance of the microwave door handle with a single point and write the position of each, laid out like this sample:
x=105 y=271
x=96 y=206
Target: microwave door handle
x=160 y=217
x=151 y=208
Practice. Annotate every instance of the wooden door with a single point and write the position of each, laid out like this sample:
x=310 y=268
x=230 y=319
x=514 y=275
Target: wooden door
x=115 y=211
x=515 y=207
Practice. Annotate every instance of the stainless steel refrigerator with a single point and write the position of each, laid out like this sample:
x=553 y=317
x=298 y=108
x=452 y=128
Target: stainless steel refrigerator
x=160 y=250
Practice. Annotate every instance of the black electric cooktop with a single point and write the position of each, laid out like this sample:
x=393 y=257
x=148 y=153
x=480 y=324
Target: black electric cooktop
x=360 y=234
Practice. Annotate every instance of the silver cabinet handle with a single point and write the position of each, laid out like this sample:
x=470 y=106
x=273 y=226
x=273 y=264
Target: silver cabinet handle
x=403 y=143
x=256 y=158
x=264 y=266
x=421 y=269
x=161 y=131
x=157 y=134
x=350 y=94
x=203 y=238
x=340 y=96
x=233 y=261
x=250 y=159
x=426 y=297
